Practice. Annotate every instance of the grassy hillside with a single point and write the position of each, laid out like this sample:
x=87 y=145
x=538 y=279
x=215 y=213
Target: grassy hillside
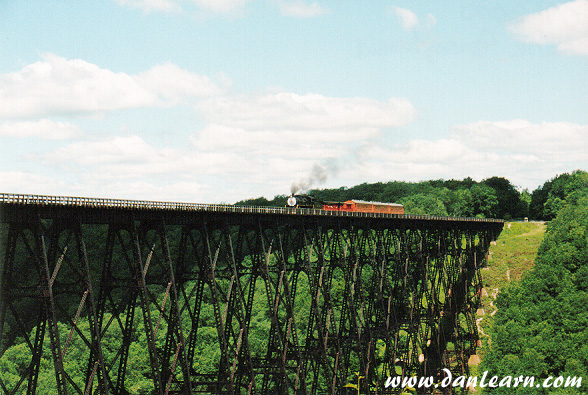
x=512 y=255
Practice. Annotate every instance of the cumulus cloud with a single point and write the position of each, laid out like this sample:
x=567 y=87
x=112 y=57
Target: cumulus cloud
x=415 y=160
x=173 y=84
x=261 y=141
x=131 y=149
x=410 y=21
x=431 y=152
x=407 y=18
x=546 y=141
x=286 y=144
x=565 y=25
x=431 y=20
x=187 y=190
x=311 y=111
x=300 y=8
x=130 y=167
x=221 y=6
x=175 y=191
x=29 y=183
x=125 y=157
x=44 y=129
x=528 y=154
x=58 y=86
x=299 y=130
x=225 y=163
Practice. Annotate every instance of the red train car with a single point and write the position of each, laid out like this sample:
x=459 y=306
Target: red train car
x=362 y=206
x=359 y=206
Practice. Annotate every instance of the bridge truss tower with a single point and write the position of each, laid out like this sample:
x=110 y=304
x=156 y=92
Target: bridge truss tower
x=108 y=298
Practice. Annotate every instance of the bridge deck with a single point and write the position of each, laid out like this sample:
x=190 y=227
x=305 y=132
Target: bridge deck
x=100 y=210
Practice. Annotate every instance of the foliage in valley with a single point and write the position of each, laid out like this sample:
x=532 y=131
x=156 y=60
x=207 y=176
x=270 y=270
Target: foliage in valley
x=541 y=326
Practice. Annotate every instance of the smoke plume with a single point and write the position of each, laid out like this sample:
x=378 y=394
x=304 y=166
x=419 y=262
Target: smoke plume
x=318 y=175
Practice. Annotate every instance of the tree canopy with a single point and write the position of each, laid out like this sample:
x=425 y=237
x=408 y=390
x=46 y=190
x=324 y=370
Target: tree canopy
x=541 y=327
x=548 y=199
x=493 y=197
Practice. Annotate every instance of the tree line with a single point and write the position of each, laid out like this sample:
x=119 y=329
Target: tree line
x=494 y=197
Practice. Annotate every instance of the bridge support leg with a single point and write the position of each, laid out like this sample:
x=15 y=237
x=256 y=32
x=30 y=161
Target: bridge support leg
x=23 y=305
x=61 y=277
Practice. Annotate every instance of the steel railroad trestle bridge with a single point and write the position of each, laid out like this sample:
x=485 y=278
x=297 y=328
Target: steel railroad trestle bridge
x=98 y=295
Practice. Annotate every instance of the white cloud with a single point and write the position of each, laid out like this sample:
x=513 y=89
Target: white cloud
x=408 y=18
x=129 y=167
x=416 y=160
x=410 y=21
x=295 y=128
x=547 y=141
x=221 y=6
x=565 y=25
x=173 y=84
x=257 y=142
x=290 y=144
x=261 y=142
x=116 y=150
x=229 y=163
x=132 y=157
x=299 y=8
x=183 y=190
x=56 y=86
x=439 y=151
x=28 y=183
x=525 y=153
x=44 y=129
x=431 y=21
x=310 y=112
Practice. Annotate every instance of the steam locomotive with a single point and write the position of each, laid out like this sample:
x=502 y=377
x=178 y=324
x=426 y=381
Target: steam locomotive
x=361 y=206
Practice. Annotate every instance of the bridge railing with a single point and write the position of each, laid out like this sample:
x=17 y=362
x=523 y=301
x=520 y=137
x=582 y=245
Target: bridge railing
x=72 y=201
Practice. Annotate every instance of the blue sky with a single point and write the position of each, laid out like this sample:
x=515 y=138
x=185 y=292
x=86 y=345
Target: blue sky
x=221 y=100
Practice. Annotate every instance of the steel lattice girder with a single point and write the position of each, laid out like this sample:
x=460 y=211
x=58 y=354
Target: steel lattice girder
x=343 y=298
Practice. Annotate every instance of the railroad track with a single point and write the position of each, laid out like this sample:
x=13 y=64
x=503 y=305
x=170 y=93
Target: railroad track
x=14 y=199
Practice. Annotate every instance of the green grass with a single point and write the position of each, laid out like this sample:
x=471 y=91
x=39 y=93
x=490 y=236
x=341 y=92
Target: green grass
x=514 y=253
x=511 y=256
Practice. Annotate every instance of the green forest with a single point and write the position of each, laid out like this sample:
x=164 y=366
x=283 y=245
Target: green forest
x=494 y=197
x=540 y=329
x=541 y=325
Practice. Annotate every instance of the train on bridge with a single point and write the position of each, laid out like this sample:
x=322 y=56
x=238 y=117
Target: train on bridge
x=353 y=205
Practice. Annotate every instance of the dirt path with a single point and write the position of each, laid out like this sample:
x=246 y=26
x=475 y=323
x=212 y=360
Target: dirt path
x=494 y=294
